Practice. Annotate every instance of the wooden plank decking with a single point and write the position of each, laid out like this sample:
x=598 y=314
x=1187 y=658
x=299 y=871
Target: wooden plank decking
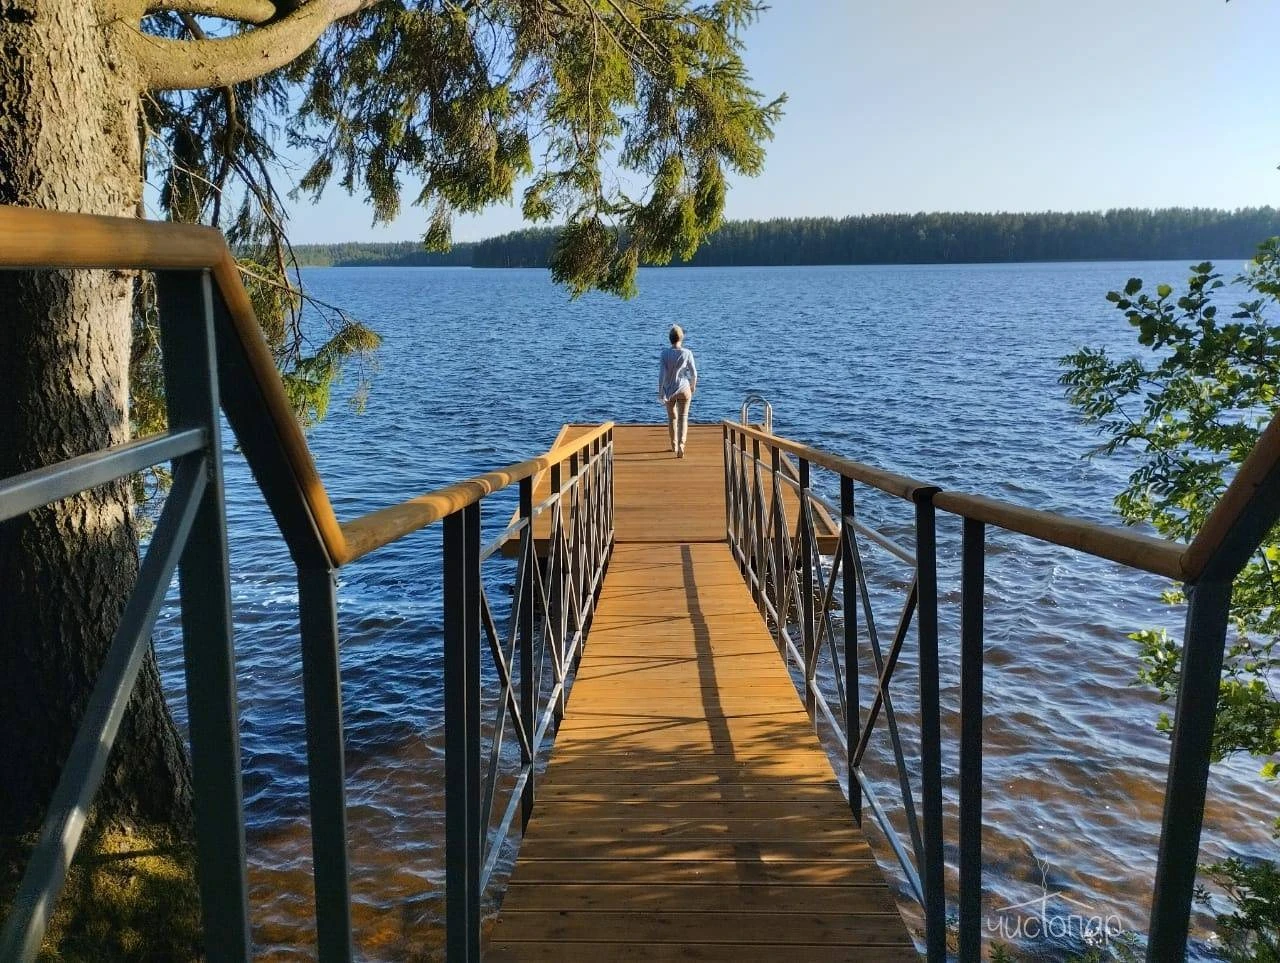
x=688 y=811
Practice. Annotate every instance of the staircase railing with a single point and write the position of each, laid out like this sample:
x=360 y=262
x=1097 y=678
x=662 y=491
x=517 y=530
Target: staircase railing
x=215 y=359
x=791 y=584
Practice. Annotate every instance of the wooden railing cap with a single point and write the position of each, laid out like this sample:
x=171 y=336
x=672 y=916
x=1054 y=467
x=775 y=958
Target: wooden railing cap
x=1260 y=464
x=36 y=239
x=892 y=483
x=386 y=525
x=1122 y=545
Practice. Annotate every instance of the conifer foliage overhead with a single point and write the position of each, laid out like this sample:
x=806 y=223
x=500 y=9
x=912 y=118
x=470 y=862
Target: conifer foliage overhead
x=619 y=119
x=468 y=98
x=623 y=116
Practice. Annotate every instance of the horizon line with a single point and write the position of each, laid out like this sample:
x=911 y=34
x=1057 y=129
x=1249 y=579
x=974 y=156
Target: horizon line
x=834 y=217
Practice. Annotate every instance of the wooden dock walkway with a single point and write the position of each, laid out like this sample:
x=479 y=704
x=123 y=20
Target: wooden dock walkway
x=655 y=502
x=688 y=811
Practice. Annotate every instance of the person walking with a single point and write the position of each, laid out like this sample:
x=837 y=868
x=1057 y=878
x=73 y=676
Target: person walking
x=677 y=381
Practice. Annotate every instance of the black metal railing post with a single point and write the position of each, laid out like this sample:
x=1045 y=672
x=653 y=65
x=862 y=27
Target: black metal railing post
x=808 y=624
x=757 y=525
x=476 y=827
x=606 y=494
x=597 y=511
x=728 y=485
x=973 y=575
x=849 y=595
x=556 y=563
x=1209 y=604
x=573 y=562
x=591 y=532
x=525 y=629
x=587 y=501
x=601 y=480
x=609 y=486
x=326 y=768
x=186 y=302
x=462 y=740
x=780 y=534
x=741 y=501
x=744 y=536
x=931 y=873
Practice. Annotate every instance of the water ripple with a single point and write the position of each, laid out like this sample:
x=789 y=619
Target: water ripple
x=945 y=373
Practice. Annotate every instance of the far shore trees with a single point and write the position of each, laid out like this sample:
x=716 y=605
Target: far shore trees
x=942 y=237
x=449 y=102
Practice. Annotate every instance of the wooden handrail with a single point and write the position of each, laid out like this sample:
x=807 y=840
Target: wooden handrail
x=386 y=525
x=1260 y=463
x=887 y=481
x=1157 y=555
x=35 y=239
x=1166 y=557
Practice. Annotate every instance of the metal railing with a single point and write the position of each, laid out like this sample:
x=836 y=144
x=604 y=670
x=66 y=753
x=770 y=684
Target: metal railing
x=215 y=358
x=793 y=586
x=579 y=543
x=786 y=575
x=191 y=537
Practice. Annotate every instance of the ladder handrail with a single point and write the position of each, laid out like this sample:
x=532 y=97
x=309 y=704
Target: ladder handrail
x=753 y=398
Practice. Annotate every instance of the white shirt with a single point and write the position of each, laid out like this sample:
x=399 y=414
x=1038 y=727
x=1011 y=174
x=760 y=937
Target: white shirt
x=676 y=371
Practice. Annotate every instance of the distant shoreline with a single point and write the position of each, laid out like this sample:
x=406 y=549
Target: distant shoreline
x=1197 y=258
x=1128 y=234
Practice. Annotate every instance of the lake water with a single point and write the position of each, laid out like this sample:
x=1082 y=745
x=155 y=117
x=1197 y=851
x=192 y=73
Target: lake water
x=946 y=373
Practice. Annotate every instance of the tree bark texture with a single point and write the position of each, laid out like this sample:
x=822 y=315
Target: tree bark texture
x=69 y=140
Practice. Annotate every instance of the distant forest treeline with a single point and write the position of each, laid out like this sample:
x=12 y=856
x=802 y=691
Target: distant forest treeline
x=397 y=254
x=1116 y=235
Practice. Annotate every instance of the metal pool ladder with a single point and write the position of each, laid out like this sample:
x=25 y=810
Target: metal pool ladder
x=755 y=398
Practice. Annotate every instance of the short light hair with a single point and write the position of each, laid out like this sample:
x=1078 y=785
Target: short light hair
x=676 y=334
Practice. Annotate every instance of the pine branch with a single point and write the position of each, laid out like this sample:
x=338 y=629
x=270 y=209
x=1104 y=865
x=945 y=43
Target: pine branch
x=636 y=30
x=242 y=11
x=167 y=64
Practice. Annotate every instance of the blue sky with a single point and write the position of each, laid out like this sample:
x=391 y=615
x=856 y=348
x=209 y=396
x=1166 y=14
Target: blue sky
x=983 y=105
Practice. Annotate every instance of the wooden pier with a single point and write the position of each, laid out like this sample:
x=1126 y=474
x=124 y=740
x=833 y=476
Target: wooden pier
x=688 y=811
x=657 y=503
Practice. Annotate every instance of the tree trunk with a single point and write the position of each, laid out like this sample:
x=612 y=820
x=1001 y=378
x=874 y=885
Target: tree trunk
x=69 y=140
